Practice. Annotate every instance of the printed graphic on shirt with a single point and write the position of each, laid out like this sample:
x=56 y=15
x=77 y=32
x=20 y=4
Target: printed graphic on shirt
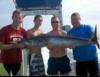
x=15 y=38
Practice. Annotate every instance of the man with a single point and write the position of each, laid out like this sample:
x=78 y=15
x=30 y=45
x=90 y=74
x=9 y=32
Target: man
x=11 y=55
x=85 y=56
x=59 y=63
x=36 y=64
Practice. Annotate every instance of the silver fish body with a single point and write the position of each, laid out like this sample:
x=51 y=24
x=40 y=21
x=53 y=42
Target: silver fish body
x=68 y=41
x=41 y=41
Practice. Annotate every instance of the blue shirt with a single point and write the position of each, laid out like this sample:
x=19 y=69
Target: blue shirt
x=84 y=53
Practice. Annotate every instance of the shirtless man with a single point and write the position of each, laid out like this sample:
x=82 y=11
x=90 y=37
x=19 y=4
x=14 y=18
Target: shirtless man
x=59 y=63
x=36 y=63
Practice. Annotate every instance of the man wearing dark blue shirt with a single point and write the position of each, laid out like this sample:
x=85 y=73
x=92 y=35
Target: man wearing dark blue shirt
x=85 y=56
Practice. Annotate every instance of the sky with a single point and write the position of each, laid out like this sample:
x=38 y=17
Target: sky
x=88 y=9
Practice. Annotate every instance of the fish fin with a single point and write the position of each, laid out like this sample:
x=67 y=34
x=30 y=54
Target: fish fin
x=95 y=38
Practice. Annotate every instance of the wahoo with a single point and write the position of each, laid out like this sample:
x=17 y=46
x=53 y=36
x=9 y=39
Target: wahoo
x=44 y=40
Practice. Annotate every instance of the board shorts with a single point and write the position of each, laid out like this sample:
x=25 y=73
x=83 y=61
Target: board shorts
x=58 y=65
x=36 y=65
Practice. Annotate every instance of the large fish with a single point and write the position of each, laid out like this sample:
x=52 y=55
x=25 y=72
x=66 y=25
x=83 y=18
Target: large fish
x=44 y=40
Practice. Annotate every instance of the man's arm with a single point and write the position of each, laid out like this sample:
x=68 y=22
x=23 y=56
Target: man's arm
x=10 y=46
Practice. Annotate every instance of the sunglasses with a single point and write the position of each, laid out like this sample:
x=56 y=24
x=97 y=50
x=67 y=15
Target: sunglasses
x=55 y=21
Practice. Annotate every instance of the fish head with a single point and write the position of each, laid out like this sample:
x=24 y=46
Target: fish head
x=38 y=41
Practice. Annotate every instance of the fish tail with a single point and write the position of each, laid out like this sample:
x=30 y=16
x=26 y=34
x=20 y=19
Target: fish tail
x=95 y=38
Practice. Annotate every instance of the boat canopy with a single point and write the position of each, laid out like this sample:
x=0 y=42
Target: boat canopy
x=38 y=4
x=39 y=7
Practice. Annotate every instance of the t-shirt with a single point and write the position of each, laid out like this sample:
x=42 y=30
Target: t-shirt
x=9 y=35
x=87 y=52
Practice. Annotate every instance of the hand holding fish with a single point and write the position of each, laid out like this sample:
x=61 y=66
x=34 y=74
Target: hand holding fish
x=22 y=46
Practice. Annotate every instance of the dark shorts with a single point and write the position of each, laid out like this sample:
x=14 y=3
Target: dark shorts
x=87 y=68
x=12 y=68
x=58 y=65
